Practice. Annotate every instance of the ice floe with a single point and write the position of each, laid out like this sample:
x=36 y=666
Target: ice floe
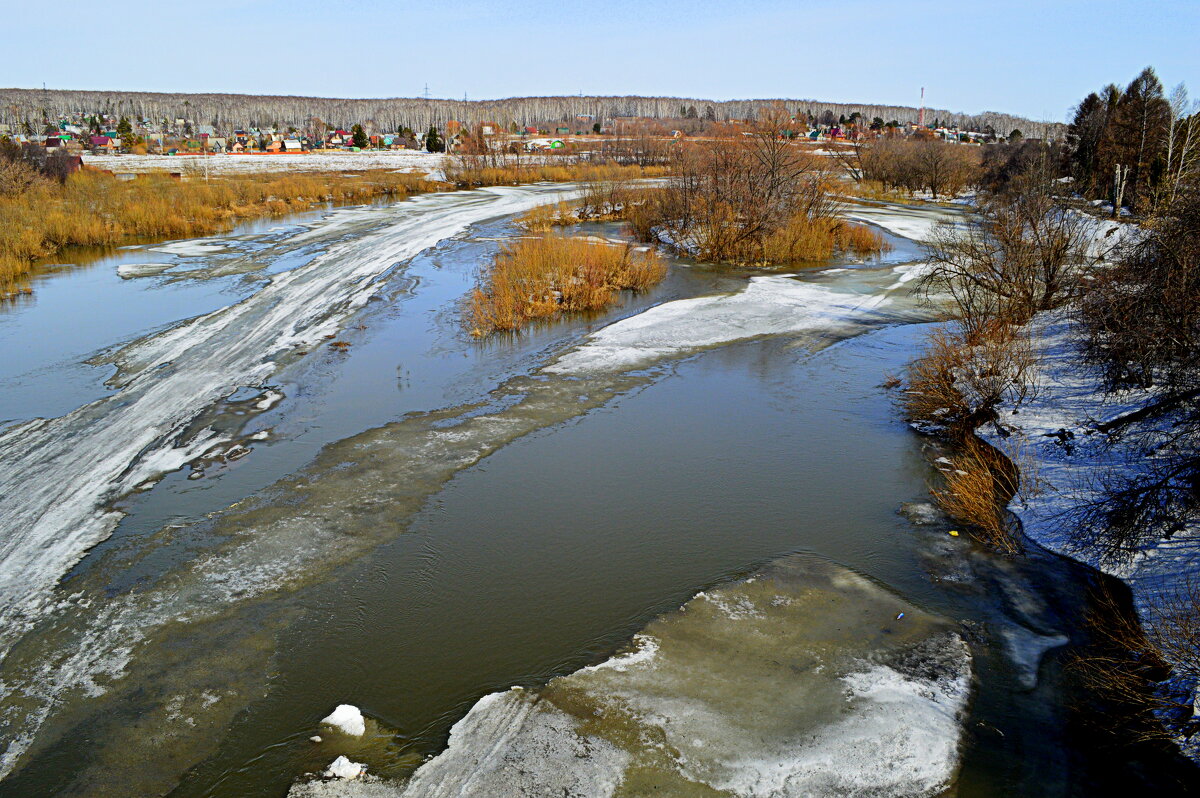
x=767 y=306
x=795 y=692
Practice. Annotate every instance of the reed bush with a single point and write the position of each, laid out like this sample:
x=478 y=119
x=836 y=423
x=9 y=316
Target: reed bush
x=958 y=380
x=93 y=208
x=545 y=276
x=546 y=217
x=468 y=174
x=978 y=485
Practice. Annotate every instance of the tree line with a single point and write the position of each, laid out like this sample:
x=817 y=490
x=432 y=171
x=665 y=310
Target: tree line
x=32 y=107
x=1134 y=145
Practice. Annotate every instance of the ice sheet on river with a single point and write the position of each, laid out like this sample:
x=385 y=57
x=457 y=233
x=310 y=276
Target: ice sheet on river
x=62 y=473
x=799 y=681
x=767 y=306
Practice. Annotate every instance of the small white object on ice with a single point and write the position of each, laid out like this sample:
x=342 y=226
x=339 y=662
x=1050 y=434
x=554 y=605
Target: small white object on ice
x=348 y=718
x=343 y=768
x=316 y=738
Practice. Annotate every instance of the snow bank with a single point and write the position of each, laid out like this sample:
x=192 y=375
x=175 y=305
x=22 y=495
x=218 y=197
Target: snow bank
x=912 y=222
x=142 y=269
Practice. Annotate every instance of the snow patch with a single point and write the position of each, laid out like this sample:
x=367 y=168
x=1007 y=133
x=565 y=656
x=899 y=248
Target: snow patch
x=343 y=768
x=348 y=718
x=767 y=306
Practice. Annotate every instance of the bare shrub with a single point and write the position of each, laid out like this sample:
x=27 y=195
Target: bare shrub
x=959 y=379
x=752 y=199
x=938 y=167
x=1152 y=666
x=17 y=177
x=1024 y=255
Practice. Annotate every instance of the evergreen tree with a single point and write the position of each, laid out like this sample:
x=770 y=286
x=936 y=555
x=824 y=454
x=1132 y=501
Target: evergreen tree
x=1084 y=135
x=433 y=142
x=1134 y=136
x=358 y=137
x=123 y=127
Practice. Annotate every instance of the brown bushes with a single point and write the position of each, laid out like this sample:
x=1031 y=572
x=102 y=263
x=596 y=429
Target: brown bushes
x=95 y=209
x=547 y=275
x=950 y=389
x=940 y=168
x=959 y=379
x=1025 y=255
x=758 y=200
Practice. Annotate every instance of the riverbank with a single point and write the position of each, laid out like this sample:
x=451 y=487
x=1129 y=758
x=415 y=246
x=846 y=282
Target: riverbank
x=95 y=209
x=1065 y=451
x=1074 y=447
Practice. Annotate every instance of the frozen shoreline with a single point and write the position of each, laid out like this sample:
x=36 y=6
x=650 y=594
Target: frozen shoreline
x=1058 y=430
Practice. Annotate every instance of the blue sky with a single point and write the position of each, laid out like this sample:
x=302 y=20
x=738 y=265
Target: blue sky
x=1034 y=59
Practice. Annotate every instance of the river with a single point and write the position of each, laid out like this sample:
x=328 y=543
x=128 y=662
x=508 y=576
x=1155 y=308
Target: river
x=216 y=527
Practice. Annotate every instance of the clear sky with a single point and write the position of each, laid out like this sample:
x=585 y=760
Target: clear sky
x=1035 y=59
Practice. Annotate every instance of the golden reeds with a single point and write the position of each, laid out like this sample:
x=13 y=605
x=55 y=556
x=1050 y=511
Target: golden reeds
x=93 y=208
x=545 y=276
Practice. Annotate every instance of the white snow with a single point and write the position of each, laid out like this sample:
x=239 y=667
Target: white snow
x=142 y=269
x=767 y=306
x=343 y=768
x=348 y=718
x=335 y=161
x=912 y=222
x=195 y=247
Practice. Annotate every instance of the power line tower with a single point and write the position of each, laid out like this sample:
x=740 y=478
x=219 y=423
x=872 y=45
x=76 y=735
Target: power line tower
x=426 y=91
x=921 y=115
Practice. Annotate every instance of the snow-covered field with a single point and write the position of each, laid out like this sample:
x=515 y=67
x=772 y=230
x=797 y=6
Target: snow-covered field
x=333 y=161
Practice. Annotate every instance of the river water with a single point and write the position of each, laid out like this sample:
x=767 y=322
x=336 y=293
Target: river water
x=216 y=527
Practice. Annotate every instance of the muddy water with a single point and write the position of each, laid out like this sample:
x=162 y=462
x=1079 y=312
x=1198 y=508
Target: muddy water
x=422 y=520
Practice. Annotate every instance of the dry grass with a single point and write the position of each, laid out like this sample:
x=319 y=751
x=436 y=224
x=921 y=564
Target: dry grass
x=93 y=208
x=931 y=399
x=978 y=485
x=804 y=239
x=548 y=275
x=959 y=379
x=546 y=217
x=1147 y=666
x=469 y=176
